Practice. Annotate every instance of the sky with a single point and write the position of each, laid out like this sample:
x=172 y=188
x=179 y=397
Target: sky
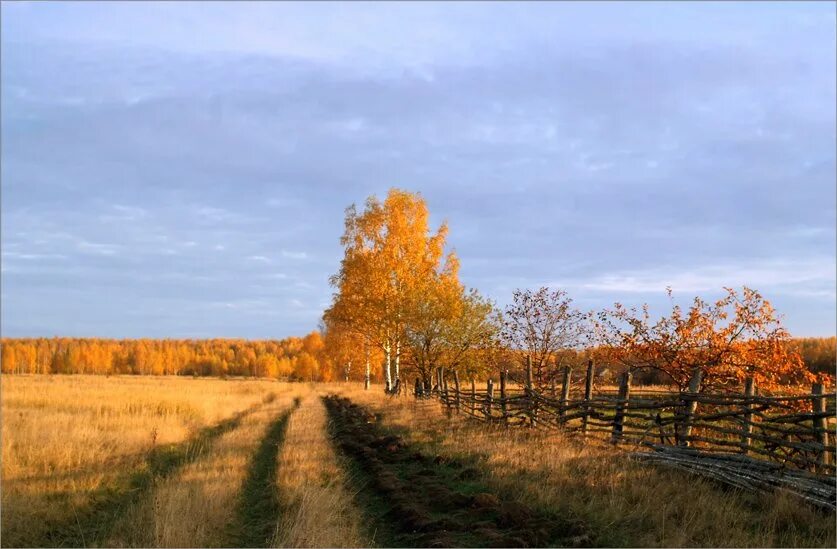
x=182 y=169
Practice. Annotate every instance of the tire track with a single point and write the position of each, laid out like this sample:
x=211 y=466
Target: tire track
x=430 y=501
x=90 y=525
x=259 y=507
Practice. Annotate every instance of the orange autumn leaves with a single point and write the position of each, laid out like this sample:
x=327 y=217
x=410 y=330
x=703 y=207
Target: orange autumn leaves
x=399 y=308
x=737 y=336
x=398 y=293
x=289 y=358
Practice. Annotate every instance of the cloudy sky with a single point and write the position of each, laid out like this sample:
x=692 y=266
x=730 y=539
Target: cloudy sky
x=181 y=170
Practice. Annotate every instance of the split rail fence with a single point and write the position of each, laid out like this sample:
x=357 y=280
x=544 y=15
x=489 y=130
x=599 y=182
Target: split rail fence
x=745 y=439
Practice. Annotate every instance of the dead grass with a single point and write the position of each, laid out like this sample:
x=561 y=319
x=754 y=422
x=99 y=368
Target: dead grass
x=66 y=436
x=194 y=507
x=622 y=502
x=318 y=510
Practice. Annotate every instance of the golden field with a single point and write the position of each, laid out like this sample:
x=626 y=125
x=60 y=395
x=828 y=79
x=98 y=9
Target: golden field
x=190 y=462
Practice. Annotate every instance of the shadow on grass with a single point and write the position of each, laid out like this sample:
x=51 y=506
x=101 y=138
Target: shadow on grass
x=423 y=500
x=89 y=526
x=259 y=508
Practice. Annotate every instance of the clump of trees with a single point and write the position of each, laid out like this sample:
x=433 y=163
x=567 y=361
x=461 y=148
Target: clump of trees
x=722 y=342
x=398 y=293
x=399 y=308
x=399 y=299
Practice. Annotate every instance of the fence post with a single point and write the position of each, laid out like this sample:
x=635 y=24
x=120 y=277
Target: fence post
x=503 y=404
x=747 y=428
x=818 y=407
x=489 y=397
x=565 y=392
x=529 y=372
x=691 y=405
x=473 y=397
x=443 y=387
x=588 y=394
x=456 y=388
x=531 y=403
x=621 y=406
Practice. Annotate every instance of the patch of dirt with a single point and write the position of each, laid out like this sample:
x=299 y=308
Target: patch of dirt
x=435 y=501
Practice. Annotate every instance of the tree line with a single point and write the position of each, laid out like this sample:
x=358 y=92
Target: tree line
x=399 y=311
x=292 y=358
x=399 y=303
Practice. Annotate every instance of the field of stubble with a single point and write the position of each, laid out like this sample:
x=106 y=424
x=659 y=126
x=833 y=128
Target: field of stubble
x=181 y=462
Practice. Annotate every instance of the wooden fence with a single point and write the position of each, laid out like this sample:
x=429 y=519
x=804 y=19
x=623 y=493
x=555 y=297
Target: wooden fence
x=782 y=433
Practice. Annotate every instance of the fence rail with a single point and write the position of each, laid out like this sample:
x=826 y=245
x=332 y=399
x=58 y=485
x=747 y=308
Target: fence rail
x=774 y=433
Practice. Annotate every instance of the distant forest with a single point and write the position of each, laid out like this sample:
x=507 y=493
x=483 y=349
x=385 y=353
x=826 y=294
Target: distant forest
x=819 y=353
x=293 y=358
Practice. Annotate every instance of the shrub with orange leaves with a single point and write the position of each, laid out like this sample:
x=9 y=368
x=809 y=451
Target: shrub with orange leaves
x=737 y=336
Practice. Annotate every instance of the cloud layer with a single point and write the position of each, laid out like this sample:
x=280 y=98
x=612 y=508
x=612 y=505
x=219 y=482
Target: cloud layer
x=175 y=171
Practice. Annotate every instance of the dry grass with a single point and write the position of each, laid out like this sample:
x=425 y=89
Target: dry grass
x=318 y=511
x=622 y=503
x=65 y=436
x=194 y=507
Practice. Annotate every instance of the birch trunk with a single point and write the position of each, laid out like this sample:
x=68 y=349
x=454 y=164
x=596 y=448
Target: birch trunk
x=366 y=380
x=397 y=359
x=388 y=364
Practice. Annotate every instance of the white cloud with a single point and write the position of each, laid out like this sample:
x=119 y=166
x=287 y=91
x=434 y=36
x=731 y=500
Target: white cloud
x=28 y=256
x=97 y=248
x=130 y=212
x=798 y=277
x=294 y=255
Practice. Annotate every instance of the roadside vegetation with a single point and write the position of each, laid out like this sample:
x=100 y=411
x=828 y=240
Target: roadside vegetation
x=619 y=502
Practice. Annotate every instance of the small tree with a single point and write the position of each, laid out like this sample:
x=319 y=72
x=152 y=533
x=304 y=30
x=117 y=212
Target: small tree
x=736 y=337
x=540 y=324
x=449 y=327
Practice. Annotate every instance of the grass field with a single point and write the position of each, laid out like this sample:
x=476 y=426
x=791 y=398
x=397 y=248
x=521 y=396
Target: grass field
x=181 y=462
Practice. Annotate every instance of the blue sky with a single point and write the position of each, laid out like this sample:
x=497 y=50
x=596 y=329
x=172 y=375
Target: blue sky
x=181 y=170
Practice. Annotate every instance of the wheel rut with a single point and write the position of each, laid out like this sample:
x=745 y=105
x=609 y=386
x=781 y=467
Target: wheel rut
x=90 y=525
x=259 y=507
x=420 y=500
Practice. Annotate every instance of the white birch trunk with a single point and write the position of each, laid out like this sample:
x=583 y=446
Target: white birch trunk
x=397 y=359
x=388 y=363
x=366 y=381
